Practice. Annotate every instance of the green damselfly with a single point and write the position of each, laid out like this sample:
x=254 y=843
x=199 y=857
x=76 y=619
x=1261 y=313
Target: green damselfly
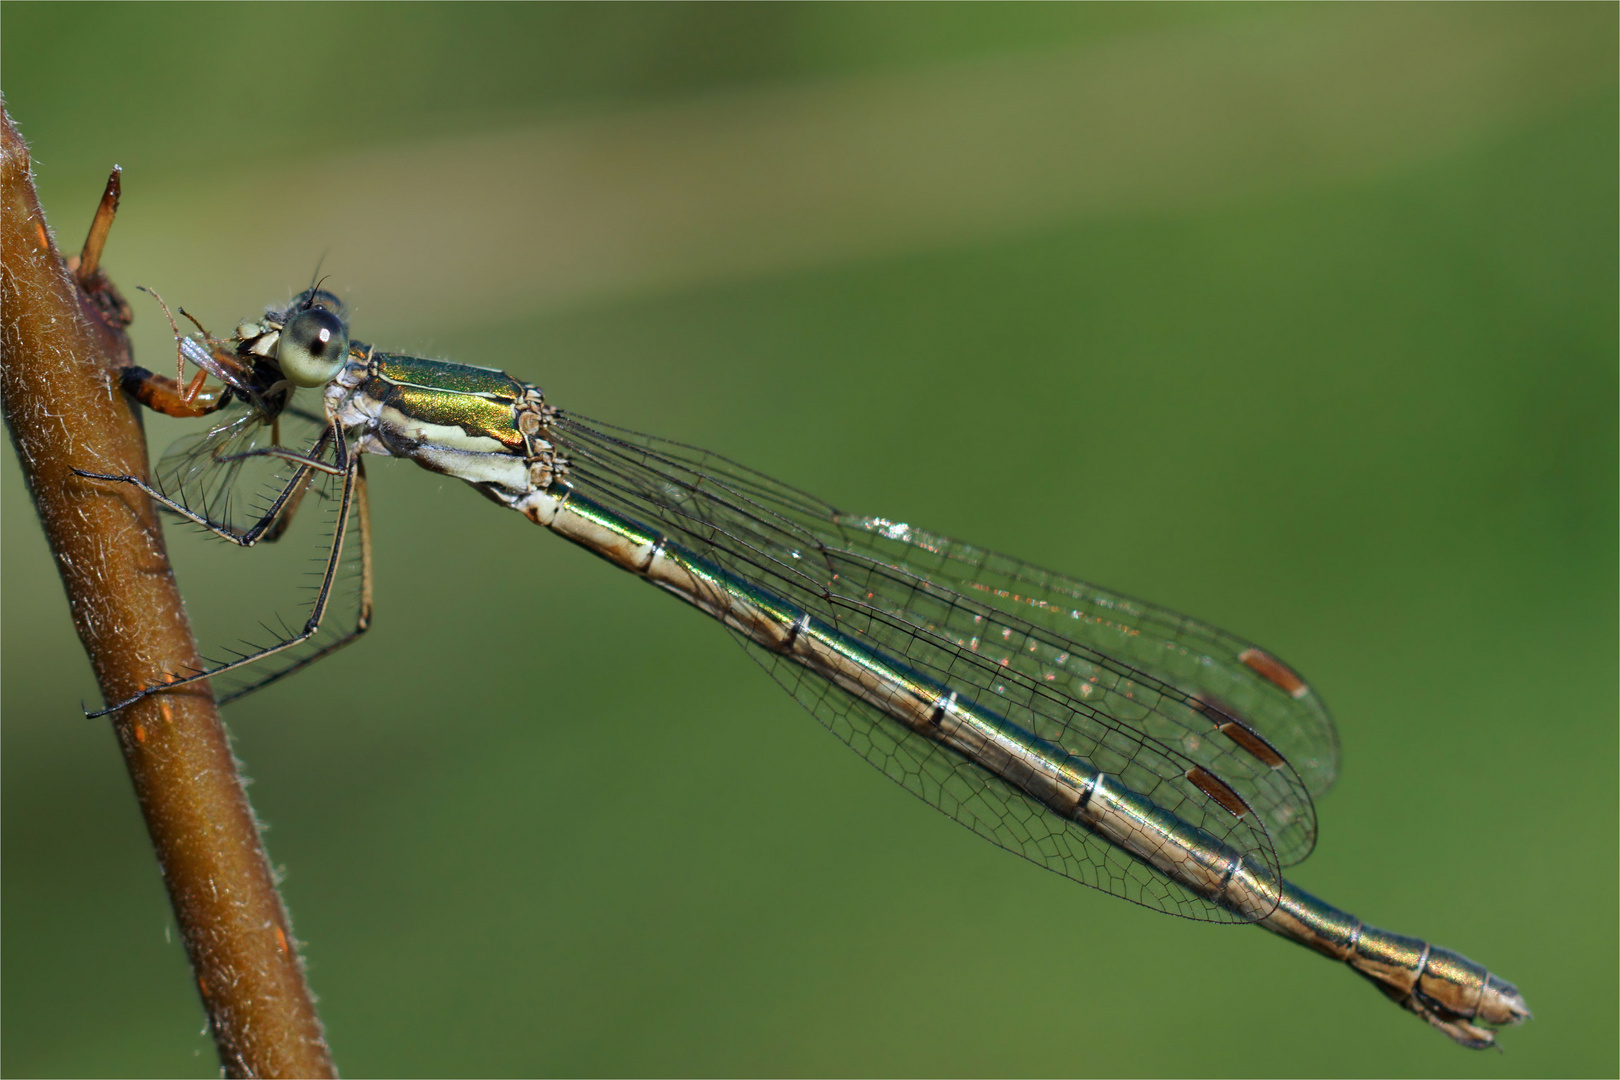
x=1125 y=746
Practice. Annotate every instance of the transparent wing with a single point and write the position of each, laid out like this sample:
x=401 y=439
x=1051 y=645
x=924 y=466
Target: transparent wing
x=220 y=361
x=211 y=473
x=1035 y=648
x=1134 y=648
x=276 y=588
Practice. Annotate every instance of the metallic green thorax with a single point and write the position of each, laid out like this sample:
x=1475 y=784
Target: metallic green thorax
x=479 y=401
x=476 y=424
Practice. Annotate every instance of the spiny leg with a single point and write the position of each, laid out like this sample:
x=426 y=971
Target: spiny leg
x=270 y=525
x=279 y=517
x=362 y=622
x=353 y=477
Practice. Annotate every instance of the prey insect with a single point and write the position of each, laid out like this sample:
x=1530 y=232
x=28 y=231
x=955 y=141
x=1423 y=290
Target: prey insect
x=1123 y=745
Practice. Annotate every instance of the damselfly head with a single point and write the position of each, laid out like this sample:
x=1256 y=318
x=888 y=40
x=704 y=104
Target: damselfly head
x=314 y=344
x=309 y=338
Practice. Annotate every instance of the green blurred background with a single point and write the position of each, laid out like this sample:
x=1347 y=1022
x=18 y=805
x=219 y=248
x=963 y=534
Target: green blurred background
x=1299 y=319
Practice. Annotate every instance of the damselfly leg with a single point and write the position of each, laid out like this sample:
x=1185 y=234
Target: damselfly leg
x=243 y=480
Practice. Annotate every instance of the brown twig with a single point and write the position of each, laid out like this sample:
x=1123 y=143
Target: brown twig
x=61 y=339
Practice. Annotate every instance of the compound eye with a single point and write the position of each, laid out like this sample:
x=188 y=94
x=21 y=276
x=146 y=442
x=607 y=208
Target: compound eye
x=313 y=347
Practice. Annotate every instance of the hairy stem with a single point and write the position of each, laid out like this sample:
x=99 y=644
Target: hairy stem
x=61 y=340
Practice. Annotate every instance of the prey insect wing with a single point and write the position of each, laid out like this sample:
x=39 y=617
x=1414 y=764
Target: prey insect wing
x=219 y=363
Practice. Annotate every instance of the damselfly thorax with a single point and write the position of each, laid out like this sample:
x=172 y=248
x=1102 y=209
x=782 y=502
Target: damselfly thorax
x=1133 y=749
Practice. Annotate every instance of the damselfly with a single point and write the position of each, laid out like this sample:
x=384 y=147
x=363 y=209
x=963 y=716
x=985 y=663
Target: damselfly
x=1125 y=746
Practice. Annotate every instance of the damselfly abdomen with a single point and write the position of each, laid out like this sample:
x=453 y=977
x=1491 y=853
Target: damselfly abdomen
x=1125 y=746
